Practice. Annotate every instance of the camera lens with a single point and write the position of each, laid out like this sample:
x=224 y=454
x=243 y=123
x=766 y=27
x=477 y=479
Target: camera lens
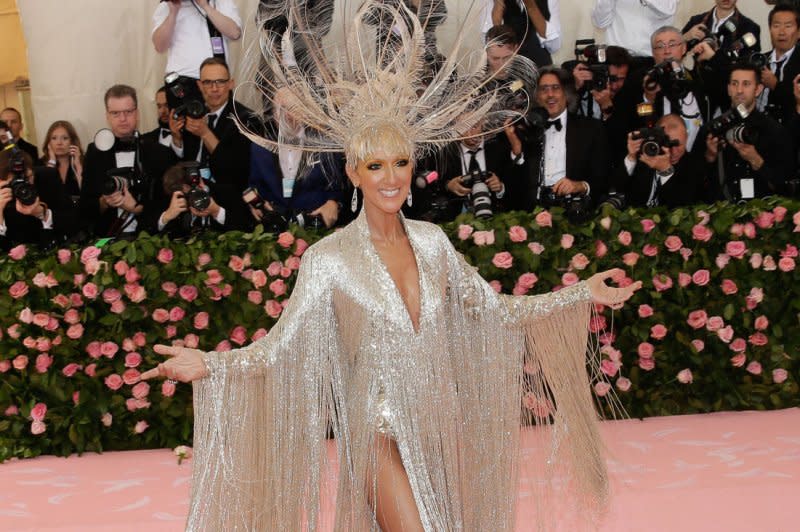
x=481 y=200
x=651 y=148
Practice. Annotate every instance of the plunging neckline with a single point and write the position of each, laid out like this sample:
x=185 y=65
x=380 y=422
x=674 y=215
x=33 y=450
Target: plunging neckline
x=415 y=328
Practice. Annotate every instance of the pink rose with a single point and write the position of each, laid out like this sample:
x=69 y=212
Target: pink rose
x=761 y=323
x=519 y=290
x=13 y=331
x=756 y=294
x=569 y=279
x=111 y=294
x=38 y=427
x=277 y=287
x=91 y=370
x=285 y=239
x=273 y=308
x=70 y=369
x=140 y=427
x=698 y=345
x=738 y=361
x=736 y=249
x=658 y=331
x=516 y=233
x=754 y=367
x=601 y=388
x=605 y=222
x=536 y=248
x=165 y=255
x=715 y=323
x=483 y=238
x=786 y=264
x=239 y=335
x=114 y=382
x=75 y=331
x=623 y=384
x=624 y=238
x=203 y=259
x=701 y=277
x=702 y=233
x=647 y=225
x=170 y=331
x=685 y=376
x=673 y=243
x=236 y=263
x=78 y=279
x=503 y=260
x=765 y=219
x=90 y=253
x=18 y=289
x=645 y=350
x=779 y=375
x=90 y=290
x=38 y=411
x=496 y=286
x=609 y=367
x=117 y=307
x=18 y=252
x=168 y=388
x=662 y=282
x=790 y=251
x=722 y=260
x=20 y=362
x=769 y=264
x=684 y=279
x=685 y=253
x=64 y=256
x=285 y=272
x=259 y=279
x=176 y=314
x=188 y=293
x=106 y=419
x=758 y=339
x=140 y=390
x=273 y=269
x=26 y=315
x=749 y=230
x=191 y=341
x=630 y=258
x=645 y=311
x=544 y=219
x=300 y=247
x=259 y=334
x=738 y=345
x=607 y=337
x=93 y=349
x=201 y=320
x=255 y=297
x=40 y=319
x=647 y=364
x=567 y=240
x=43 y=344
x=109 y=349
x=597 y=324
x=729 y=287
x=5 y=365
x=780 y=213
x=579 y=261
x=293 y=263
x=132 y=275
x=121 y=267
x=160 y=315
x=61 y=300
x=131 y=376
x=725 y=334
x=527 y=280
x=600 y=249
x=44 y=281
x=214 y=277
x=132 y=360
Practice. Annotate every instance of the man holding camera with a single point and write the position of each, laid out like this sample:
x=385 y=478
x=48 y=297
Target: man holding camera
x=212 y=139
x=123 y=179
x=752 y=154
x=570 y=165
x=13 y=120
x=34 y=206
x=658 y=170
x=724 y=23
x=784 y=63
x=192 y=30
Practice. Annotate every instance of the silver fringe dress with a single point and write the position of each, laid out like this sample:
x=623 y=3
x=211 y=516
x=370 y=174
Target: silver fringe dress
x=344 y=357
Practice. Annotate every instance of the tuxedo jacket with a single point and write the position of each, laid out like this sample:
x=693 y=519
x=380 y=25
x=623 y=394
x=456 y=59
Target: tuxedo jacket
x=743 y=24
x=783 y=94
x=587 y=160
x=24 y=229
x=155 y=160
x=28 y=148
x=230 y=162
x=685 y=187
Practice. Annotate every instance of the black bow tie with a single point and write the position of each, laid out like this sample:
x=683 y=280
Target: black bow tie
x=122 y=145
x=165 y=133
x=554 y=123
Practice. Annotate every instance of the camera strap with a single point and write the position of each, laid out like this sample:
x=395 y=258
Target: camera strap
x=217 y=42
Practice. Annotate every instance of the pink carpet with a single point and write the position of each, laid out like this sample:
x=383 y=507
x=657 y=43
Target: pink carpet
x=736 y=471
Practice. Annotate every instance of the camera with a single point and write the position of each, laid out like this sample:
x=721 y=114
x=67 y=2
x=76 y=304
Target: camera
x=118 y=179
x=594 y=56
x=184 y=97
x=758 y=60
x=672 y=78
x=576 y=206
x=276 y=220
x=741 y=47
x=479 y=194
x=23 y=190
x=732 y=126
x=654 y=139
x=197 y=197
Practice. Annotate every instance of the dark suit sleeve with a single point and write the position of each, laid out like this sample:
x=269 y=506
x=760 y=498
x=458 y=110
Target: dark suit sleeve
x=53 y=193
x=777 y=149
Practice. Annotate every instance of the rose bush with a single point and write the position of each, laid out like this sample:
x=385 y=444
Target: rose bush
x=715 y=326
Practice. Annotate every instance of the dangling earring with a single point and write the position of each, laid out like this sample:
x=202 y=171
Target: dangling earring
x=408 y=199
x=354 y=201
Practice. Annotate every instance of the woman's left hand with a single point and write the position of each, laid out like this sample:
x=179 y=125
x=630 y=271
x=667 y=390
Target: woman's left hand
x=606 y=295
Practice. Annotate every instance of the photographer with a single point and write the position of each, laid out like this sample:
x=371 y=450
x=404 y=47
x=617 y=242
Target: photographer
x=753 y=155
x=598 y=87
x=713 y=23
x=538 y=21
x=658 y=170
x=34 y=207
x=13 y=121
x=783 y=63
x=161 y=134
x=211 y=136
x=193 y=207
x=110 y=206
x=571 y=166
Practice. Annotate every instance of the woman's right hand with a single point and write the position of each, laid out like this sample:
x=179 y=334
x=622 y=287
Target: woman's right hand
x=185 y=365
x=51 y=153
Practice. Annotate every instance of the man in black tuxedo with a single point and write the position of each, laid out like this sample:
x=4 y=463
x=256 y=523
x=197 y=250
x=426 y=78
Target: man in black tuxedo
x=13 y=120
x=120 y=211
x=214 y=140
x=756 y=166
x=784 y=63
x=672 y=178
x=161 y=134
x=712 y=23
x=571 y=163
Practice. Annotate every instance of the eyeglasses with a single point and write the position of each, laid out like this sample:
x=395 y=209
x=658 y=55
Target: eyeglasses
x=123 y=112
x=214 y=82
x=667 y=46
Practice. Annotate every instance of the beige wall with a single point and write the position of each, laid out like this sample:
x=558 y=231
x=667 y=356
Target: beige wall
x=78 y=48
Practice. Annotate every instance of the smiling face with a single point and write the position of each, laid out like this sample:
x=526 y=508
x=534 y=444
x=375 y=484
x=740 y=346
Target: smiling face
x=384 y=179
x=551 y=95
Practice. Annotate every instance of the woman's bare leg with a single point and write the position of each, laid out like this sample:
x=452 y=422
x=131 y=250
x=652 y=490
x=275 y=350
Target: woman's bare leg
x=395 y=508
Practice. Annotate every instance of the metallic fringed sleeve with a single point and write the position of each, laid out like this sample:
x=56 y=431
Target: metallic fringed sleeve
x=259 y=428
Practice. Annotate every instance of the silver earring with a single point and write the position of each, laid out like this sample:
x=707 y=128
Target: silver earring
x=408 y=199
x=354 y=201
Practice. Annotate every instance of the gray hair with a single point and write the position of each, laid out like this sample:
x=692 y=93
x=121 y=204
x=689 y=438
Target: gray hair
x=665 y=29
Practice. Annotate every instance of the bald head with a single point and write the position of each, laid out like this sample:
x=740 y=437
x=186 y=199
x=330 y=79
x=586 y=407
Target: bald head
x=675 y=128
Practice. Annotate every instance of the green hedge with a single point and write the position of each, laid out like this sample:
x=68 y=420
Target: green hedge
x=715 y=327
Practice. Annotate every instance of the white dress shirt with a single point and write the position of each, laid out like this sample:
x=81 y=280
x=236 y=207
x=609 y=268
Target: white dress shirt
x=630 y=23
x=776 y=66
x=555 y=152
